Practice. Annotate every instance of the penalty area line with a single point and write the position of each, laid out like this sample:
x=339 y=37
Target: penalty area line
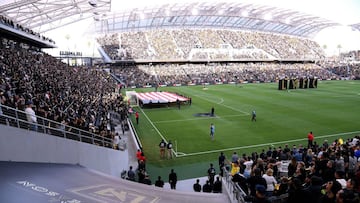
x=157 y=130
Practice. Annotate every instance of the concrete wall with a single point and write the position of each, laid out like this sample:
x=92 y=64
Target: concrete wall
x=27 y=146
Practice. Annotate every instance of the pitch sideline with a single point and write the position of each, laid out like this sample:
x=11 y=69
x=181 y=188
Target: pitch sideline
x=181 y=154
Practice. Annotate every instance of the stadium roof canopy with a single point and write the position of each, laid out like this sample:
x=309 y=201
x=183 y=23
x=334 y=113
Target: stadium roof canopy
x=45 y=15
x=222 y=15
x=356 y=26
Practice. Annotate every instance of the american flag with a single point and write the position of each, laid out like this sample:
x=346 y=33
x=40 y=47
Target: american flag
x=159 y=97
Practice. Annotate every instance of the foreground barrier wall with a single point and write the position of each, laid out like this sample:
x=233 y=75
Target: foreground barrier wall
x=20 y=145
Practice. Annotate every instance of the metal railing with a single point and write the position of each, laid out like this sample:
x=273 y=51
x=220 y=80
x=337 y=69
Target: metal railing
x=238 y=195
x=17 y=118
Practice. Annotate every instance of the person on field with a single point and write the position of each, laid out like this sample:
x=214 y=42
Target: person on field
x=310 y=137
x=253 y=115
x=137 y=117
x=178 y=103
x=212 y=131
x=162 y=146
x=169 y=147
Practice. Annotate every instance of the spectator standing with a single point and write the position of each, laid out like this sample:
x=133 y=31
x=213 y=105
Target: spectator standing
x=147 y=180
x=331 y=188
x=260 y=194
x=137 y=117
x=138 y=155
x=207 y=187
x=116 y=141
x=339 y=162
x=211 y=174
x=131 y=174
x=254 y=180
x=234 y=157
x=172 y=179
x=217 y=185
x=310 y=137
x=30 y=116
x=197 y=186
x=2 y=101
x=162 y=146
x=222 y=159
x=159 y=182
x=270 y=181
x=235 y=168
x=212 y=131
x=292 y=167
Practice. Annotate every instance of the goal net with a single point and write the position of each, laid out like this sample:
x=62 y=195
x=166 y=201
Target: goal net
x=132 y=98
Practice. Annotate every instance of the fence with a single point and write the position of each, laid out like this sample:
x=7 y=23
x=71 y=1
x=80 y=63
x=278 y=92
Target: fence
x=17 y=118
x=237 y=194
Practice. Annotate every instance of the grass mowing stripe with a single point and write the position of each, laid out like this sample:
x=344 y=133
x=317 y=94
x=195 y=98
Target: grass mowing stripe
x=221 y=104
x=201 y=118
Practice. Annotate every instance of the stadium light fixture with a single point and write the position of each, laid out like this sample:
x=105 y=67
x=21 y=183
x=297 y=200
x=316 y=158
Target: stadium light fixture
x=194 y=11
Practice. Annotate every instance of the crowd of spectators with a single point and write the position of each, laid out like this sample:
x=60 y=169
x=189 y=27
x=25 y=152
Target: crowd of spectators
x=77 y=97
x=207 y=44
x=349 y=71
x=215 y=73
x=8 y=22
x=320 y=173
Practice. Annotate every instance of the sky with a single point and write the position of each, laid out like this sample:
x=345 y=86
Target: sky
x=344 y=12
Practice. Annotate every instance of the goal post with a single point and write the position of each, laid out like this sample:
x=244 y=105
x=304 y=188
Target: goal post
x=132 y=98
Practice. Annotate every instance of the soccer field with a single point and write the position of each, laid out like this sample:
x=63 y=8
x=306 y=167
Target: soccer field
x=331 y=111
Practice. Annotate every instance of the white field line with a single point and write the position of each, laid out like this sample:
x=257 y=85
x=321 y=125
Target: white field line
x=261 y=145
x=199 y=118
x=152 y=124
x=220 y=103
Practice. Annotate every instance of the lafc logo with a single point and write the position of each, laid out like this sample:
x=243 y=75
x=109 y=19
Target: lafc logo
x=109 y=193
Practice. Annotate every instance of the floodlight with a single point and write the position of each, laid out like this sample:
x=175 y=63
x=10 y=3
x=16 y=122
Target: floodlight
x=194 y=11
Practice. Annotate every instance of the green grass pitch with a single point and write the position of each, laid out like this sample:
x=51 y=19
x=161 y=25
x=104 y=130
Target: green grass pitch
x=331 y=111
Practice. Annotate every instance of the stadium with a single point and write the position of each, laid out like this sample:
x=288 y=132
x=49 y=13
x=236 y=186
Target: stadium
x=237 y=95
